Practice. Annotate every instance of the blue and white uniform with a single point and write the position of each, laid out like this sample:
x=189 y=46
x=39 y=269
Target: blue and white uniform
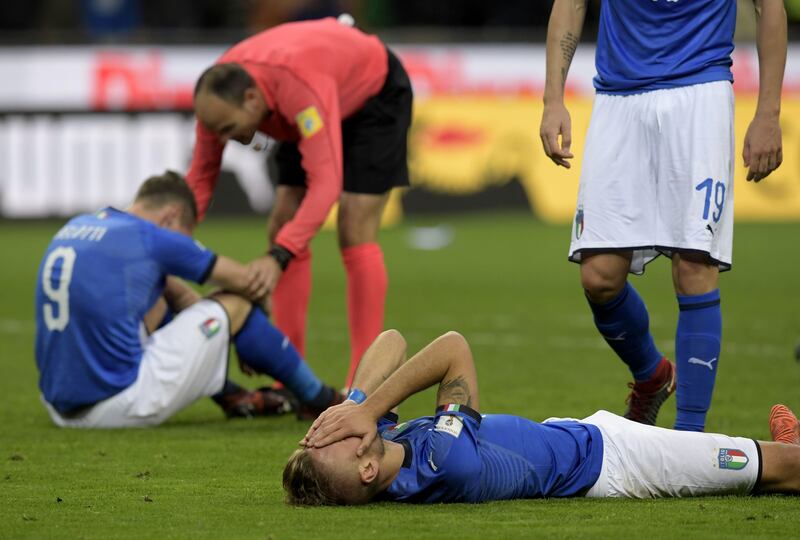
x=461 y=456
x=658 y=163
x=98 y=368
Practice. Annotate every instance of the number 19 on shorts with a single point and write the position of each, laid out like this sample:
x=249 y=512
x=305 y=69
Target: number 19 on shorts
x=718 y=188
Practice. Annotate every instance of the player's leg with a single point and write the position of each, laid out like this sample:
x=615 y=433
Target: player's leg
x=614 y=233
x=291 y=296
x=780 y=468
x=695 y=224
x=182 y=361
x=265 y=349
x=781 y=459
x=367 y=281
x=621 y=317
x=698 y=336
x=234 y=400
x=641 y=461
x=619 y=312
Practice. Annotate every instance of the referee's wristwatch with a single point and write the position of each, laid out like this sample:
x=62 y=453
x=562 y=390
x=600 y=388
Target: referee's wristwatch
x=281 y=255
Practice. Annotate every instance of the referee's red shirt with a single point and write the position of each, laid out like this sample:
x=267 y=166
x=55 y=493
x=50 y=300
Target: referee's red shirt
x=312 y=74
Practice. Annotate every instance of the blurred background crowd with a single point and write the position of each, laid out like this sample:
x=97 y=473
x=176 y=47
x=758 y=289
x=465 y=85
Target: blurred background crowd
x=214 y=21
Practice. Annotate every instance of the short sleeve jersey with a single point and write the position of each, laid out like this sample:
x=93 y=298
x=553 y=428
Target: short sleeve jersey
x=460 y=456
x=99 y=276
x=645 y=45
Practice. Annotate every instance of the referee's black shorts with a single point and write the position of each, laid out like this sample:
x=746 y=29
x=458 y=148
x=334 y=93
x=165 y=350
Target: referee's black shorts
x=374 y=140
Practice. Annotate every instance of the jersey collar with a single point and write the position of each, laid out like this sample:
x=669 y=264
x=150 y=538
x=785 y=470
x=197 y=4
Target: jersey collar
x=407 y=453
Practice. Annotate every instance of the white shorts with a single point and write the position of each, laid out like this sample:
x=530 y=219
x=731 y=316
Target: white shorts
x=657 y=175
x=643 y=462
x=185 y=360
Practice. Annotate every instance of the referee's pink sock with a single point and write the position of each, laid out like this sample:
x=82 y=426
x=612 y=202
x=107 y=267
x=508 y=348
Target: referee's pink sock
x=290 y=300
x=367 y=282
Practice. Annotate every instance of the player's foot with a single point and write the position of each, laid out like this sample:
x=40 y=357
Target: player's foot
x=646 y=397
x=783 y=425
x=330 y=397
x=262 y=402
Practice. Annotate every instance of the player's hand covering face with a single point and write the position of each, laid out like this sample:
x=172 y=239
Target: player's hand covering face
x=340 y=422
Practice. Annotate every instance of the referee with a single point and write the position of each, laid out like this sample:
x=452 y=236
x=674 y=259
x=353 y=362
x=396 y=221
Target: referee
x=339 y=104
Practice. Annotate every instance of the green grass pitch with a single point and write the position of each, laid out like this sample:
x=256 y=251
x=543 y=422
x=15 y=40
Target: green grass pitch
x=505 y=284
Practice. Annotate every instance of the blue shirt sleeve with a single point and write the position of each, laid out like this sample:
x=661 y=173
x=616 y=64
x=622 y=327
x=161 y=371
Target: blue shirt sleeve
x=452 y=453
x=454 y=436
x=179 y=255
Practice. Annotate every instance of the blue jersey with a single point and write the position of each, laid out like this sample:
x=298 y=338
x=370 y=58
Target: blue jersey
x=460 y=456
x=646 y=45
x=99 y=276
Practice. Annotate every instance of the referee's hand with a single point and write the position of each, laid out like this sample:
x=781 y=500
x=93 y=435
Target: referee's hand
x=556 y=122
x=264 y=274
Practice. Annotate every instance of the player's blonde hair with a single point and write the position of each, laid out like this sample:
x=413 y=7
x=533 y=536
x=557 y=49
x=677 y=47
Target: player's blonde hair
x=305 y=484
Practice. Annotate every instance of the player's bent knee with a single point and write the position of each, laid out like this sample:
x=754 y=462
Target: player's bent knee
x=237 y=307
x=601 y=286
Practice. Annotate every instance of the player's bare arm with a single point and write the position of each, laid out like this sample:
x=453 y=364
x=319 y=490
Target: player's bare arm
x=563 y=34
x=383 y=357
x=763 y=150
x=448 y=358
x=179 y=295
x=235 y=277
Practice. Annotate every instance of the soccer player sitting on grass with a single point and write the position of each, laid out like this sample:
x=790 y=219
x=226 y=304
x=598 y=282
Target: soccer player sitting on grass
x=106 y=283
x=355 y=452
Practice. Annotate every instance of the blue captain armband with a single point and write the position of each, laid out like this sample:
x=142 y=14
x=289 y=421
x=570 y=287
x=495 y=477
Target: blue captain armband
x=357 y=395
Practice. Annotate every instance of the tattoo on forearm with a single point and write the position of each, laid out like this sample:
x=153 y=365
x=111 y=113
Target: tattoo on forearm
x=569 y=43
x=454 y=391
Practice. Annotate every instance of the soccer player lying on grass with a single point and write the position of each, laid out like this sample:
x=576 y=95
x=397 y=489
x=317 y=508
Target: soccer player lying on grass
x=355 y=452
x=105 y=284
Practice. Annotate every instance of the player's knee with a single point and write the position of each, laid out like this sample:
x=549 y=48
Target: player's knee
x=237 y=307
x=600 y=285
x=694 y=276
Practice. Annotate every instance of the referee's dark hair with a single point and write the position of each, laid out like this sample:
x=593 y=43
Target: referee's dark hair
x=167 y=188
x=226 y=81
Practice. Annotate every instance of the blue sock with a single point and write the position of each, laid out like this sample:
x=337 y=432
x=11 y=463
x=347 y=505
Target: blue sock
x=625 y=325
x=265 y=349
x=697 y=346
